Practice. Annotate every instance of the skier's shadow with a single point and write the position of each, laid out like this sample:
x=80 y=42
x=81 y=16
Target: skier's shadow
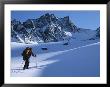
x=37 y=67
x=16 y=69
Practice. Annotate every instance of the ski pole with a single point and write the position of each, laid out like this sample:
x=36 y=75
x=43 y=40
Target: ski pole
x=36 y=60
x=22 y=63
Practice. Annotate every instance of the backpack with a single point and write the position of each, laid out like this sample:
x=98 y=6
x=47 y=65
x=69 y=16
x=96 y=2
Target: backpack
x=25 y=55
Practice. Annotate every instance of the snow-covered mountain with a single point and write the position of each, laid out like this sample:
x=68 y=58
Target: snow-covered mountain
x=49 y=28
x=80 y=58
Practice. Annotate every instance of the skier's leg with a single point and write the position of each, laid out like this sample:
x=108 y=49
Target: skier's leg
x=24 y=66
x=27 y=64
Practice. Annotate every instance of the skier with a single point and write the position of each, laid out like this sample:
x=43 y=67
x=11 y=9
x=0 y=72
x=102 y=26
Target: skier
x=26 y=55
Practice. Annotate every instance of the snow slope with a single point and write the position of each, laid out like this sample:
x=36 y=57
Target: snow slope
x=79 y=58
x=77 y=62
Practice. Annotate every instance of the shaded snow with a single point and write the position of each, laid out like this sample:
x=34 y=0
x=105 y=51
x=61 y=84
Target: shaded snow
x=77 y=62
x=84 y=34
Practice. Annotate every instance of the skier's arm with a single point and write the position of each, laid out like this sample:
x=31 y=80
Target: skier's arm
x=33 y=54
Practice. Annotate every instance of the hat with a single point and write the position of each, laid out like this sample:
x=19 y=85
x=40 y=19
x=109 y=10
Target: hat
x=27 y=47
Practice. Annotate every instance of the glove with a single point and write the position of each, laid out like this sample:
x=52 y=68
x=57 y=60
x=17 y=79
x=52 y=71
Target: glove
x=34 y=55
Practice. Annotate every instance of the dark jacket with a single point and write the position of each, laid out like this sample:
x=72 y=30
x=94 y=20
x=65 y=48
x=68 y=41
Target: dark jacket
x=27 y=53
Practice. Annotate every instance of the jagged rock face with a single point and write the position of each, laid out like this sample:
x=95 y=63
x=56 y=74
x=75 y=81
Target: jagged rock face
x=46 y=28
x=98 y=32
x=96 y=35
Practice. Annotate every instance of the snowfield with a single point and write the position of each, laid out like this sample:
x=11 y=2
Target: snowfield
x=78 y=59
x=71 y=51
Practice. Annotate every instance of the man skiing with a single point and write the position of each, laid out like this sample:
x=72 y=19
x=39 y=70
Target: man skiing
x=26 y=55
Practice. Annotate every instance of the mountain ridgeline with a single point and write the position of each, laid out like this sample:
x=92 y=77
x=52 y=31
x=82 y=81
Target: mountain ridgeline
x=46 y=28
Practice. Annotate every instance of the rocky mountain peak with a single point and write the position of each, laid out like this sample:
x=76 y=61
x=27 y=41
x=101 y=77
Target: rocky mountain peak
x=47 y=28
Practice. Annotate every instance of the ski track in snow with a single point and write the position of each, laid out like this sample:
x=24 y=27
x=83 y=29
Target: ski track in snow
x=40 y=61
